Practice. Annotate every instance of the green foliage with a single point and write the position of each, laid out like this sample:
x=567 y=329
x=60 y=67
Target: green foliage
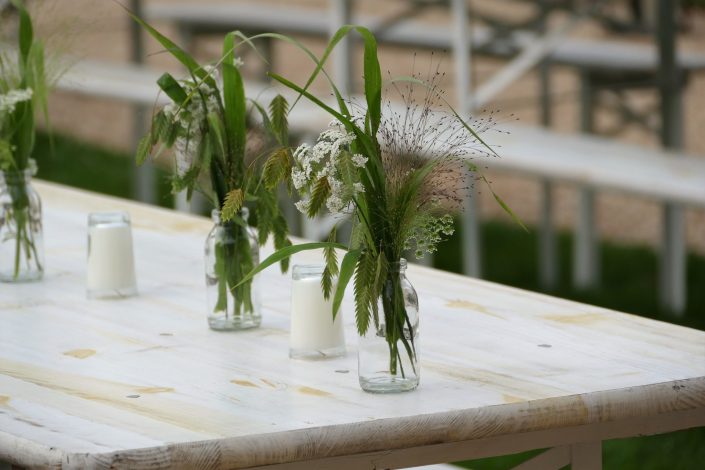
x=233 y=203
x=171 y=87
x=364 y=280
x=277 y=168
x=278 y=110
x=318 y=197
x=331 y=268
x=206 y=126
x=286 y=252
x=347 y=268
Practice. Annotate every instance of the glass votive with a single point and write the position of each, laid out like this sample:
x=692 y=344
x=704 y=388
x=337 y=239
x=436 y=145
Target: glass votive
x=314 y=334
x=111 y=266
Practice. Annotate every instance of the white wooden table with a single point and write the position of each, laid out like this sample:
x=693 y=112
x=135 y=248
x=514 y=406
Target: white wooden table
x=143 y=382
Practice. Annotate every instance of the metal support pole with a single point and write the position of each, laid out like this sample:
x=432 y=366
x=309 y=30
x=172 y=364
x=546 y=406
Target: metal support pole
x=586 y=253
x=144 y=177
x=472 y=261
x=673 y=253
x=341 y=14
x=548 y=265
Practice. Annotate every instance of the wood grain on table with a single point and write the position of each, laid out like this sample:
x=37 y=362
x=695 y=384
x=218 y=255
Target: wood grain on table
x=142 y=382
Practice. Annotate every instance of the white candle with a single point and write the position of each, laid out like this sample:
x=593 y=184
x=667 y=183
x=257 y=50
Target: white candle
x=314 y=333
x=111 y=267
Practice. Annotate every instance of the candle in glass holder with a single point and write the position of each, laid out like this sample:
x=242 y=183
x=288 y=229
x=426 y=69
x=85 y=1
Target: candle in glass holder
x=314 y=333
x=111 y=266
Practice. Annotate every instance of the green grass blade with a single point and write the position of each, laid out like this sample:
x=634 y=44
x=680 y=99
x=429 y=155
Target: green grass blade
x=235 y=104
x=347 y=267
x=26 y=35
x=373 y=79
x=286 y=252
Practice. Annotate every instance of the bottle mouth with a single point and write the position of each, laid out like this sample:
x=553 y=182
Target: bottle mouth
x=244 y=212
x=17 y=176
x=398 y=265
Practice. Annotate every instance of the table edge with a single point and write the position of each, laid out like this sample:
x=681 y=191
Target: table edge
x=383 y=434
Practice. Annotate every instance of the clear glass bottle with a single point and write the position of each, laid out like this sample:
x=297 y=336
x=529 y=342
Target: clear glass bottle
x=231 y=252
x=388 y=362
x=21 y=240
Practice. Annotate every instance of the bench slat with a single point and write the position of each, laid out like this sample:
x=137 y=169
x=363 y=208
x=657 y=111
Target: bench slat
x=610 y=55
x=593 y=161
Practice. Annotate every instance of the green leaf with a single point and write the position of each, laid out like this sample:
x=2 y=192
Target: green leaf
x=278 y=110
x=364 y=284
x=26 y=35
x=217 y=131
x=286 y=252
x=143 y=148
x=347 y=267
x=320 y=193
x=373 y=79
x=234 y=103
x=331 y=268
x=233 y=203
x=277 y=168
x=172 y=88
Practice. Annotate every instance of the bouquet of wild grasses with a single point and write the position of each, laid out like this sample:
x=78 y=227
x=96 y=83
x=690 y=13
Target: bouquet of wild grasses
x=206 y=126
x=398 y=172
x=23 y=88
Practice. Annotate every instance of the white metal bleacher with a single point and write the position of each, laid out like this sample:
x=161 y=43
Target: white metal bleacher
x=218 y=17
x=591 y=161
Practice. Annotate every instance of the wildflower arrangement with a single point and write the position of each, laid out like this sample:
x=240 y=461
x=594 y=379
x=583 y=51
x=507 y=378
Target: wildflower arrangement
x=206 y=126
x=23 y=89
x=398 y=173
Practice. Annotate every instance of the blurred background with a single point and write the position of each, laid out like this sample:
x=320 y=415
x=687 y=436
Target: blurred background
x=604 y=102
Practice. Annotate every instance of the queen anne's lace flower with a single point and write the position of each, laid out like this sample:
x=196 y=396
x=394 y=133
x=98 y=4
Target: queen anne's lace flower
x=324 y=160
x=9 y=101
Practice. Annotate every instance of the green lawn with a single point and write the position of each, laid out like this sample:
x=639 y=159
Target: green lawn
x=629 y=283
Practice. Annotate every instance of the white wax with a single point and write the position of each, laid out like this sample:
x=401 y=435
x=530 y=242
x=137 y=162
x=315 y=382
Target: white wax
x=312 y=325
x=110 y=259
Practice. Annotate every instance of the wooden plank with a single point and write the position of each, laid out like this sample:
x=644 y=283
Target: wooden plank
x=143 y=382
x=604 y=55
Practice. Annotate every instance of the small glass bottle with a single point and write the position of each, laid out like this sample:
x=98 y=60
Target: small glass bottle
x=21 y=239
x=231 y=252
x=388 y=356
x=314 y=334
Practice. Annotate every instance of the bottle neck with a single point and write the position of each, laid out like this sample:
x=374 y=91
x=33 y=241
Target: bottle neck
x=16 y=177
x=398 y=267
x=243 y=213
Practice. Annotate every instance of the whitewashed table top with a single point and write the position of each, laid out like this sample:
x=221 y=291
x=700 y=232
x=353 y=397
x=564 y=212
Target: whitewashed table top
x=144 y=379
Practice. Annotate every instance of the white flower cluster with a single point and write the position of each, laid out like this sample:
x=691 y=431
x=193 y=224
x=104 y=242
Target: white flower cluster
x=192 y=118
x=9 y=101
x=326 y=160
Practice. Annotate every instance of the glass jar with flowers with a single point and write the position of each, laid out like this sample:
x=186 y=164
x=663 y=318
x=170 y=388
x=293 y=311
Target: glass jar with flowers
x=206 y=126
x=22 y=90
x=397 y=173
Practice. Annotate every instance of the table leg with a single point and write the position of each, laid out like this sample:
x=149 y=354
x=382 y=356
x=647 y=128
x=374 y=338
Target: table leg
x=585 y=257
x=586 y=456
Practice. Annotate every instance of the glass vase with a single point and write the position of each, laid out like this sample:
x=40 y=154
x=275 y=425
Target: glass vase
x=388 y=360
x=231 y=252
x=21 y=243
